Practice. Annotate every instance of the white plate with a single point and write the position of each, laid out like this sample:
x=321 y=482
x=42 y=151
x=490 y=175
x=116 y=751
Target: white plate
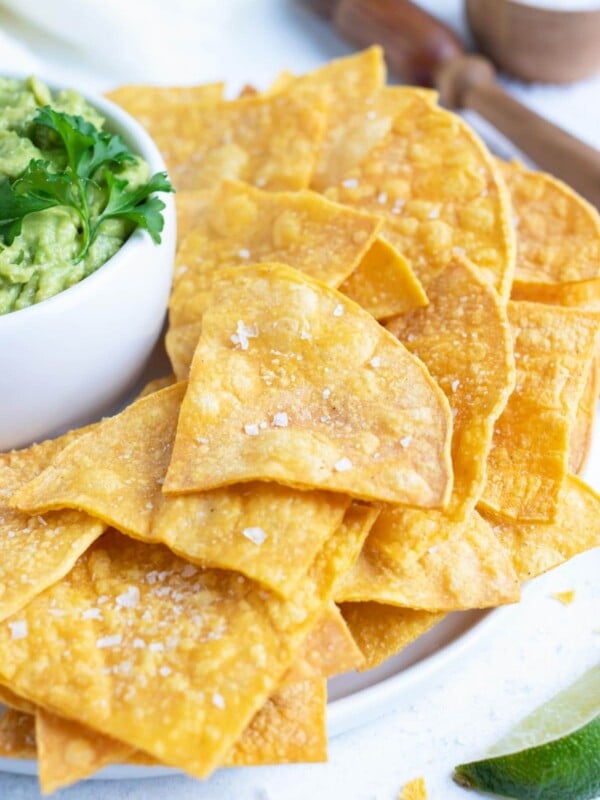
x=356 y=697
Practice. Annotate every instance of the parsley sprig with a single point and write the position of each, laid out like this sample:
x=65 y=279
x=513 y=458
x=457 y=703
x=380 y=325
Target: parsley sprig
x=93 y=158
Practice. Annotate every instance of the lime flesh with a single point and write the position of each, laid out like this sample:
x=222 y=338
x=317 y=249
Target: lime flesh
x=553 y=754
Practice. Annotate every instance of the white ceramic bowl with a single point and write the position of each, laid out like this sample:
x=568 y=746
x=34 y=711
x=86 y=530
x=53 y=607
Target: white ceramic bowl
x=71 y=358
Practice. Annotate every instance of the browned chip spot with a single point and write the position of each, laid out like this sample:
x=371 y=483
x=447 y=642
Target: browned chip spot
x=17 y=734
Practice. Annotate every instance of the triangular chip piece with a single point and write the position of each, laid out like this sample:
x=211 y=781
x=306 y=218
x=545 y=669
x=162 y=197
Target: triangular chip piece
x=294 y=383
x=528 y=461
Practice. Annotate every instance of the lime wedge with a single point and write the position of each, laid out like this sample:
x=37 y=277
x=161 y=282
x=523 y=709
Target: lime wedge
x=553 y=754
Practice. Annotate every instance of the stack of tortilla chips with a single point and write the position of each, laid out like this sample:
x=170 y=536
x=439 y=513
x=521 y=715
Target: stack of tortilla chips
x=385 y=356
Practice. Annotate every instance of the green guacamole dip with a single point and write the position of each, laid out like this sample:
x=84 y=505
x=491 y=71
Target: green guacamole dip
x=42 y=260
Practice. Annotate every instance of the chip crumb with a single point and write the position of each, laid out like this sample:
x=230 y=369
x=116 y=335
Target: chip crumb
x=414 y=790
x=343 y=465
x=18 y=629
x=218 y=700
x=566 y=597
x=256 y=534
x=280 y=419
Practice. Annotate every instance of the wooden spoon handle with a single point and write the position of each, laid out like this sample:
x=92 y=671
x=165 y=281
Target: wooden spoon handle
x=469 y=82
x=414 y=42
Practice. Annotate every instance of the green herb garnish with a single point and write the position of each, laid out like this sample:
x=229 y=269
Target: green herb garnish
x=92 y=161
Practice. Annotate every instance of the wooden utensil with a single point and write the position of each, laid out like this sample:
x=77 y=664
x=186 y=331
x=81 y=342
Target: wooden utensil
x=422 y=50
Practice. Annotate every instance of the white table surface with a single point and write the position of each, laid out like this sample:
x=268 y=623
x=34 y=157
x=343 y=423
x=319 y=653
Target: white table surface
x=541 y=645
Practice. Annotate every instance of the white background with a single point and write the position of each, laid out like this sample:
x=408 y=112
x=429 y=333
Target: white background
x=540 y=645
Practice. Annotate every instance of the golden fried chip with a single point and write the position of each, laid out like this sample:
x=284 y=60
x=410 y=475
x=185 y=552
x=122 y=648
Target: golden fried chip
x=36 y=550
x=289 y=728
x=328 y=650
x=350 y=84
x=306 y=389
x=383 y=283
x=268 y=532
x=439 y=190
x=470 y=569
x=464 y=340
x=271 y=140
x=302 y=229
x=529 y=457
x=154 y=101
x=17 y=734
x=181 y=343
x=382 y=631
x=580 y=440
x=191 y=208
x=558 y=232
x=156 y=385
x=536 y=548
x=173 y=662
x=13 y=700
x=584 y=294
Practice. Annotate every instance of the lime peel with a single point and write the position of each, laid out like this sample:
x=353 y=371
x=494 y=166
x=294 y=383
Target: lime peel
x=553 y=754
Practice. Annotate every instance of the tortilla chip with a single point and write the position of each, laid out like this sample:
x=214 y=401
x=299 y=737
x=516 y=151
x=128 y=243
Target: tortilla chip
x=334 y=400
x=536 y=548
x=464 y=339
x=156 y=385
x=13 y=700
x=584 y=294
x=17 y=734
x=582 y=431
x=529 y=457
x=383 y=283
x=302 y=229
x=269 y=533
x=328 y=650
x=35 y=550
x=181 y=343
x=176 y=662
x=191 y=208
x=382 y=631
x=414 y=790
x=272 y=141
x=558 y=232
x=470 y=569
x=350 y=84
x=439 y=191
x=289 y=728
x=154 y=101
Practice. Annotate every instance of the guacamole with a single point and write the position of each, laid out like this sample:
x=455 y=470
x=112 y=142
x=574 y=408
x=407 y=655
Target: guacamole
x=45 y=257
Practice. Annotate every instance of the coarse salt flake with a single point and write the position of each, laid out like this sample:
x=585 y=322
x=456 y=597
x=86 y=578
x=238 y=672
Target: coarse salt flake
x=350 y=183
x=256 y=535
x=326 y=394
x=405 y=441
x=243 y=333
x=455 y=384
x=165 y=670
x=244 y=253
x=92 y=613
x=375 y=362
x=218 y=700
x=280 y=419
x=130 y=598
x=343 y=465
x=109 y=641
x=338 y=310
x=251 y=430
x=18 y=630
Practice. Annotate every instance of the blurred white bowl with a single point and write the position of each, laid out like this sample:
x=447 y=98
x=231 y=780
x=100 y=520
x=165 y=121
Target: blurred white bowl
x=68 y=359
